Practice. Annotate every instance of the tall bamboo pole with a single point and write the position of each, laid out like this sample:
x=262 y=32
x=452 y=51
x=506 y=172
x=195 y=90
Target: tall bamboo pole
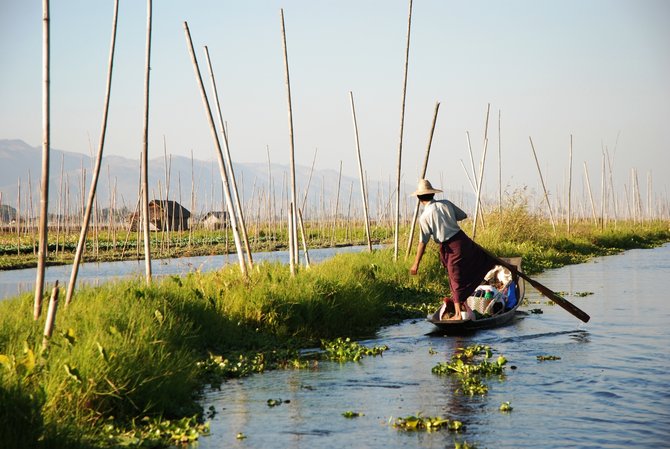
x=423 y=175
x=168 y=214
x=364 y=192
x=348 y=220
x=219 y=152
x=293 y=250
x=145 y=152
x=402 y=128
x=98 y=162
x=499 y=166
x=603 y=193
x=190 y=228
x=229 y=162
x=570 y=185
x=18 y=217
x=60 y=202
x=337 y=203
x=271 y=192
x=546 y=196
x=46 y=143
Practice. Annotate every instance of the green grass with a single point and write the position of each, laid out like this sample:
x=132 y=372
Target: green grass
x=124 y=351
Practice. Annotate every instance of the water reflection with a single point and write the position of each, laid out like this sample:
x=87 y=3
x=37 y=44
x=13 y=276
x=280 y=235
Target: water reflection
x=16 y=282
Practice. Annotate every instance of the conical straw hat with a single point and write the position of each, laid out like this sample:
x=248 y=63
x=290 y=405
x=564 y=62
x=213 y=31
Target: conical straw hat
x=424 y=188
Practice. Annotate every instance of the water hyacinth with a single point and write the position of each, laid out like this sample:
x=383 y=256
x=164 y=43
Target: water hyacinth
x=427 y=423
x=345 y=350
x=470 y=372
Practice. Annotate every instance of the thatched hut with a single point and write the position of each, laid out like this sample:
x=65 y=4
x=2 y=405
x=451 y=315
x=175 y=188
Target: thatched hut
x=164 y=215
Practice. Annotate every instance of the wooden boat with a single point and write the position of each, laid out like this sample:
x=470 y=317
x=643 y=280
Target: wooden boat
x=501 y=318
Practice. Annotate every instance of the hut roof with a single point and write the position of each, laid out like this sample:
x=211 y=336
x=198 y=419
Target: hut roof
x=172 y=207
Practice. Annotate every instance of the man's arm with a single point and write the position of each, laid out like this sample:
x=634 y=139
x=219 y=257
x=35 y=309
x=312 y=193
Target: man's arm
x=420 y=249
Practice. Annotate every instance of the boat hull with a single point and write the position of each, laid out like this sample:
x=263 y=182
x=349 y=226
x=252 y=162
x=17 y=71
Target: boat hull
x=456 y=327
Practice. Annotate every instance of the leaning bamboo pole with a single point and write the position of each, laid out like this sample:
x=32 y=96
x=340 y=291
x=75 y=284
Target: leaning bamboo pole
x=546 y=195
x=145 y=152
x=593 y=204
x=229 y=162
x=423 y=175
x=479 y=189
x=293 y=250
x=611 y=184
x=46 y=143
x=364 y=192
x=309 y=181
x=474 y=181
x=219 y=152
x=402 y=128
x=50 y=321
x=304 y=239
x=98 y=162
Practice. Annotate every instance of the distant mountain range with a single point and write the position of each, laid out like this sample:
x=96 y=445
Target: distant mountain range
x=20 y=164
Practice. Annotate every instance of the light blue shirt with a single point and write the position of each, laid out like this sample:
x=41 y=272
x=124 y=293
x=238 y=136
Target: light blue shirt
x=439 y=220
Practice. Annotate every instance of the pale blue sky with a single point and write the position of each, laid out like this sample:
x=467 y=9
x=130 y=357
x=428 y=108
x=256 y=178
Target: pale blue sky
x=595 y=69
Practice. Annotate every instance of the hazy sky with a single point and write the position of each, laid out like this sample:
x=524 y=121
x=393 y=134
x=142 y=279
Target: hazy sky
x=596 y=69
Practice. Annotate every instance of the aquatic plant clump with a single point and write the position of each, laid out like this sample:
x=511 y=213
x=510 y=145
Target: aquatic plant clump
x=345 y=350
x=427 y=423
x=156 y=432
x=470 y=371
x=217 y=368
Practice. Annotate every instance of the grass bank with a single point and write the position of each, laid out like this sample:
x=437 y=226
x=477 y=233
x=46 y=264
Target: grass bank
x=127 y=362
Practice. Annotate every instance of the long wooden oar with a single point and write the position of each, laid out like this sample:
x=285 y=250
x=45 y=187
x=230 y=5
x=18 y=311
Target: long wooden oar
x=559 y=300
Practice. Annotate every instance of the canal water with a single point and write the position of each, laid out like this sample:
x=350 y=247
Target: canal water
x=16 y=282
x=609 y=389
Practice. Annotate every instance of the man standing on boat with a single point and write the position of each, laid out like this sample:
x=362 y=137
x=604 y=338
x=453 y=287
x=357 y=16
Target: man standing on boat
x=465 y=261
